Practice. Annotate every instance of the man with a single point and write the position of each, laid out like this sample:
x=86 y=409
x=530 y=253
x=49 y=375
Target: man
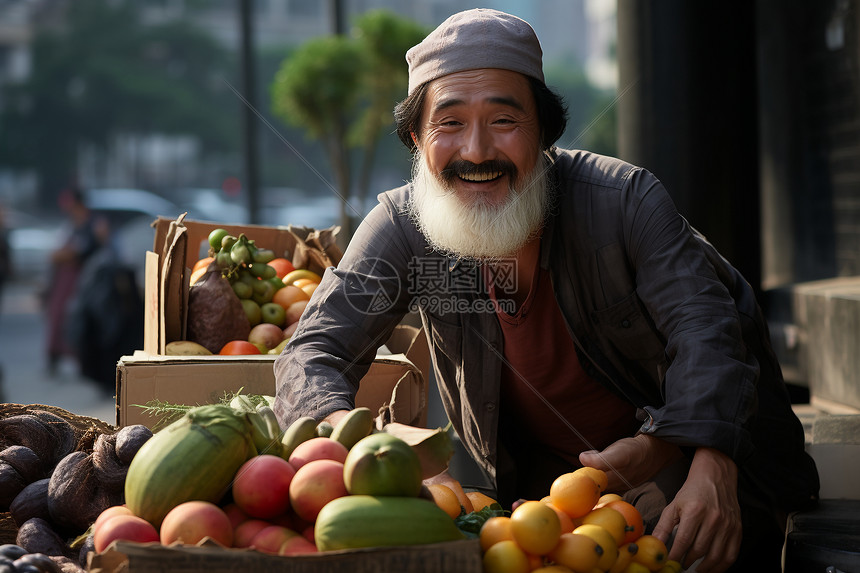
x=574 y=316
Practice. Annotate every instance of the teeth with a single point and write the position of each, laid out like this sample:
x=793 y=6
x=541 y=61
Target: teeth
x=481 y=176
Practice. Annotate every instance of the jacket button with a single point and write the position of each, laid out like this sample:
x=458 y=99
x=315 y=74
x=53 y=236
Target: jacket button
x=625 y=323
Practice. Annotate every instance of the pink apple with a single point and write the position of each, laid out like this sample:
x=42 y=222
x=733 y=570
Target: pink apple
x=315 y=484
x=262 y=484
x=318 y=449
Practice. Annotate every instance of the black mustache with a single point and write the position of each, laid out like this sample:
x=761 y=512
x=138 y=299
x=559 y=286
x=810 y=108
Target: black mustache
x=462 y=167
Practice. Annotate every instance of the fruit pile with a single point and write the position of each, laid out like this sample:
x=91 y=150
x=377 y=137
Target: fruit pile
x=226 y=472
x=272 y=292
x=576 y=528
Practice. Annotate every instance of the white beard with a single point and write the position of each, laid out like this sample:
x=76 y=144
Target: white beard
x=480 y=231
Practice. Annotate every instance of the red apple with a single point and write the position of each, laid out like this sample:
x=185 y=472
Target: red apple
x=318 y=449
x=191 y=521
x=315 y=484
x=266 y=334
x=125 y=527
x=270 y=539
x=235 y=513
x=297 y=545
x=244 y=534
x=261 y=487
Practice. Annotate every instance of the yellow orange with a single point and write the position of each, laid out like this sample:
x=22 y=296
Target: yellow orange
x=566 y=521
x=445 y=498
x=635 y=524
x=479 y=500
x=607 y=498
x=610 y=520
x=506 y=557
x=652 y=552
x=202 y=263
x=309 y=288
x=304 y=282
x=599 y=476
x=578 y=552
x=575 y=494
x=625 y=558
x=536 y=527
x=495 y=529
x=606 y=542
x=288 y=295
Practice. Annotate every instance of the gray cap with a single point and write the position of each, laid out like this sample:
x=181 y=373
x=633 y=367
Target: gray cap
x=476 y=39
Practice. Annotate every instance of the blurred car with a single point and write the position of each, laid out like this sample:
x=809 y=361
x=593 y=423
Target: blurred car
x=203 y=204
x=31 y=240
x=130 y=214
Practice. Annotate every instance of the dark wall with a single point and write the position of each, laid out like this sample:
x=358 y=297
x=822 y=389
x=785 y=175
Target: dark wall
x=689 y=114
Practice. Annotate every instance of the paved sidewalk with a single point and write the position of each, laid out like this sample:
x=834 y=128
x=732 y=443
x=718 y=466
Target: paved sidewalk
x=25 y=379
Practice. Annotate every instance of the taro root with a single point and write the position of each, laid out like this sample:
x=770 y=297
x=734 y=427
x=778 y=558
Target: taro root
x=37 y=536
x=11 y=484
x=72 y=491
x=28 y=430
x=215 y=313
x=129 y=439
x=25 y=461
x=40 y=561
x=62 y=430
x=31 y=502
x=109 y=470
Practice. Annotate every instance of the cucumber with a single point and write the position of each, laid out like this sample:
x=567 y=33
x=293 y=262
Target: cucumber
x=356 y=521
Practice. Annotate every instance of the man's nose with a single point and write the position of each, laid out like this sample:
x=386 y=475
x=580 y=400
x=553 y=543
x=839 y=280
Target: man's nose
x=477 y=145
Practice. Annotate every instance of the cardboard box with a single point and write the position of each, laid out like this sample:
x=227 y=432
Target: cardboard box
x=449 y=557
x=395 y=382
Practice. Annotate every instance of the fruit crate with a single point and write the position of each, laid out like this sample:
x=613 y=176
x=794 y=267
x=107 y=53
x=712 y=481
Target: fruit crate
x=454 y=556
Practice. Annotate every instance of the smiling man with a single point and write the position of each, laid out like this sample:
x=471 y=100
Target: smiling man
x=574 y=317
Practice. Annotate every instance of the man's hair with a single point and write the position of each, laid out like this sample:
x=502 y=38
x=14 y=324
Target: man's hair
x=551 y=110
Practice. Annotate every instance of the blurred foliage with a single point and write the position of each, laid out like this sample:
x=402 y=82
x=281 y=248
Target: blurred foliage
x=101 y=73
x=342 y=91
x=592 y=122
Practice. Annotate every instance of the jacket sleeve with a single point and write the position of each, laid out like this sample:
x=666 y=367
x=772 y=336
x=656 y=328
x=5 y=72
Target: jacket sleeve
x=350 y=315
x=709 y=386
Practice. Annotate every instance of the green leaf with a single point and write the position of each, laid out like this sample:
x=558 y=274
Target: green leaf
x=470 y=523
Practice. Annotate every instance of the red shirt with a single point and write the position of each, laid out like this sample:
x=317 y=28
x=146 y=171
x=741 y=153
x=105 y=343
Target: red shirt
x=545 y=391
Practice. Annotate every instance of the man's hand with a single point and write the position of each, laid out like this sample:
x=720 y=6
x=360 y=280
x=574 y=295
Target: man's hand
x=631 y=461
x=335 y=417
x=707 y=514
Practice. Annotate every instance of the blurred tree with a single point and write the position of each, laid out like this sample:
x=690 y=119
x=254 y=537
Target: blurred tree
x=342 y=90
x=591 y=124
x=103 y=72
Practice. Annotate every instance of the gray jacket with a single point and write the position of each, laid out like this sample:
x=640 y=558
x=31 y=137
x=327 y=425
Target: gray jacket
x=657 y=315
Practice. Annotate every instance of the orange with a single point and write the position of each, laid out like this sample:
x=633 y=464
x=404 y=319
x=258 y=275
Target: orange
x=196 y=276
x=506 y=557
x=635 y=525
x=607 y=498
x=309 y=288
x=578 y=552
x=599 y=476
x=574 y=493
x=634 y=567
x=445 y=498
x=202 y=263
x=552 y=569
x=610 y=520
x=239 y=347
x=606 y=542
x=479 y=500
x=671 y=566
x=288 y=295
x=566 y=521
x=536 y=527
x=535 y=561
x=455 y=486
x=495 y=529
x=625 y=558
x=295 y=310
x=282 y=266
x=304 y=282
x=652 y=552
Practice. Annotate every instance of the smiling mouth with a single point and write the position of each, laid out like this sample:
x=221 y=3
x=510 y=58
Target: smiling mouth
x=481 y=177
